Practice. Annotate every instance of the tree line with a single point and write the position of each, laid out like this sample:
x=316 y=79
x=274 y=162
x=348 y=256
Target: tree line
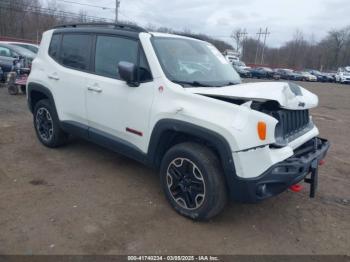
x=27 y=19
x=331 y=52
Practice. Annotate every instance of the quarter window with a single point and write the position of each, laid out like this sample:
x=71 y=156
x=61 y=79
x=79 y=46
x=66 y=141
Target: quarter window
x=54 y=46
x=110 y=51
x=75 y=51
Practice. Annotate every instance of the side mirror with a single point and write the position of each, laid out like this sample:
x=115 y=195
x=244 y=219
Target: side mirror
x=128 y=72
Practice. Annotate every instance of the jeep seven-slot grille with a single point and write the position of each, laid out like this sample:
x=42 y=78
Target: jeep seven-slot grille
x=291 y=122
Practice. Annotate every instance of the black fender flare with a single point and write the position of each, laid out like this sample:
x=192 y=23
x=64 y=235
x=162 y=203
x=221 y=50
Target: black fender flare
x=218 y=141
x=35 y=87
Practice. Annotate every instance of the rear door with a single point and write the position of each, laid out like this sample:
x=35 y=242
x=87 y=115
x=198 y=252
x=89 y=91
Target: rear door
x=68 y=75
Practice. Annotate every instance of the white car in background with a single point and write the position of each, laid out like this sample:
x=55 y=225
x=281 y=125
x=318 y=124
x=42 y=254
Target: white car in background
x=31 y=47
x=309 y=77
x=343 y=75
x=231 y=58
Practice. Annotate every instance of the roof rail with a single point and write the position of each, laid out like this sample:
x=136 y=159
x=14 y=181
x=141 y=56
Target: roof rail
x=120 y=26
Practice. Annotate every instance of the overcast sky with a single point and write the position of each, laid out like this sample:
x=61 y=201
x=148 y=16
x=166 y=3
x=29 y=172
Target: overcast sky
x=219 y=17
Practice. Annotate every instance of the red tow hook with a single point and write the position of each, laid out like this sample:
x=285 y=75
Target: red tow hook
x=322 y=162
x=296 y=188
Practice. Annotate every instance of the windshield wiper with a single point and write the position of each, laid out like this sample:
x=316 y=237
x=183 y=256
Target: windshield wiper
x=229 y=84
x=202 y=84
x=192 y=83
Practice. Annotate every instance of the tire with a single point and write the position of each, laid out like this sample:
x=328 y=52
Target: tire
x=46 y=125
x=23 y=89
x=206 y=177
x=12 y=90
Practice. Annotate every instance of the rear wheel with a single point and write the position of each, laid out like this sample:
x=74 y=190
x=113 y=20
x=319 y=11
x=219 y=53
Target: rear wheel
x=46 y=124
x=193 y=181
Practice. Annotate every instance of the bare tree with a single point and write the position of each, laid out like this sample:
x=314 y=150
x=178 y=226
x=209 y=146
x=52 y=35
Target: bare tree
x=237 y=38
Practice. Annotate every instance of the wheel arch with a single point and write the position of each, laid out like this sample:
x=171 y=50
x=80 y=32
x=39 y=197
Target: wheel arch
x=37 y=92
x=169 y=132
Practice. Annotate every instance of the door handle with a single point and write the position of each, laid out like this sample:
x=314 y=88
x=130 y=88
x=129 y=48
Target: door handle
x=53 y=76
x=94 y=89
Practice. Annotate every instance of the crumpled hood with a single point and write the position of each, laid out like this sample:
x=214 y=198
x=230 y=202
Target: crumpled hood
x=288 y=95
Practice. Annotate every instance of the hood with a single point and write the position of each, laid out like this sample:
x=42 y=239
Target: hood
x=288 y=95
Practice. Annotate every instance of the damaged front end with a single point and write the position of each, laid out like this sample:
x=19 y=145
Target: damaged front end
x=301 y=166
x=292 y=151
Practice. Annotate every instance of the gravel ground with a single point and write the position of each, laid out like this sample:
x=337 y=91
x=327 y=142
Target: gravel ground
x=83 y=199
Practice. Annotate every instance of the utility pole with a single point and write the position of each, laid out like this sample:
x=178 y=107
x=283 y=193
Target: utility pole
x=117 y=4
x=257 y=45
x=266 y=33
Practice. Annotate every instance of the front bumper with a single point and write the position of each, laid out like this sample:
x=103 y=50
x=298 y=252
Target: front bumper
x=282 y=175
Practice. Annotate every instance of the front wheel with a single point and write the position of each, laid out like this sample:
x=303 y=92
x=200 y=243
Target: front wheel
x=193 y=181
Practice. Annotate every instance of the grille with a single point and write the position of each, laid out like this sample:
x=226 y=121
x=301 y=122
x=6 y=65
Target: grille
x=291 y=122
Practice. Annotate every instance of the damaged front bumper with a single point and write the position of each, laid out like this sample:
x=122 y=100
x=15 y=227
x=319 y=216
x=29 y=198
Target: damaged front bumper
x=282 y=175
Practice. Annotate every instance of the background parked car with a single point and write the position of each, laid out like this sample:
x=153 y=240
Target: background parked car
x=320 y=76
x=10 y=53
x=289 y=74
x=297 y=76
x=309 y=77
x=343 y=75
x=242 y=69
x=276 y=75
x=262 y=72
x=330 y=77
x=31 y=47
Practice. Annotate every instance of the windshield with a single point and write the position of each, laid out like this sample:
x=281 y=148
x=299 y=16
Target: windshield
x=193 y=63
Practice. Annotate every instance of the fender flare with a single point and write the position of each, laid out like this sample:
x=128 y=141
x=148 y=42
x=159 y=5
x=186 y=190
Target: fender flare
x=41 y=89
x=216 y=140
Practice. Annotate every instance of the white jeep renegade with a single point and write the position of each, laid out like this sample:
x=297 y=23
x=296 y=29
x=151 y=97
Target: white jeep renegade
x=176 y=104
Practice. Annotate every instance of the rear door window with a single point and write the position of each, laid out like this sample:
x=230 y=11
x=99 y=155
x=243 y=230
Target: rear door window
x=75 y=51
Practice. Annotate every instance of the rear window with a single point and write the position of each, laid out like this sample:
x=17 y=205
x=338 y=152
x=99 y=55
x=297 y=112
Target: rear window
x=75 y=51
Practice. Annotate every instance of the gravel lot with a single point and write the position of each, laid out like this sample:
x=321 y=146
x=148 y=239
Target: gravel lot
x=83 y=199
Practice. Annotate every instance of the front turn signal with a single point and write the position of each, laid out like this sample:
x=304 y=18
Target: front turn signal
x=262 y=130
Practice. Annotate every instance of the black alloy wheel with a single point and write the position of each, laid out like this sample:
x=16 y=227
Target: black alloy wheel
x=44 y=124
x=186 y=183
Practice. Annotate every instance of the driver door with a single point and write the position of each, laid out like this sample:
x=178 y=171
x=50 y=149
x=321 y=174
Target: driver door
x=113 y=107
